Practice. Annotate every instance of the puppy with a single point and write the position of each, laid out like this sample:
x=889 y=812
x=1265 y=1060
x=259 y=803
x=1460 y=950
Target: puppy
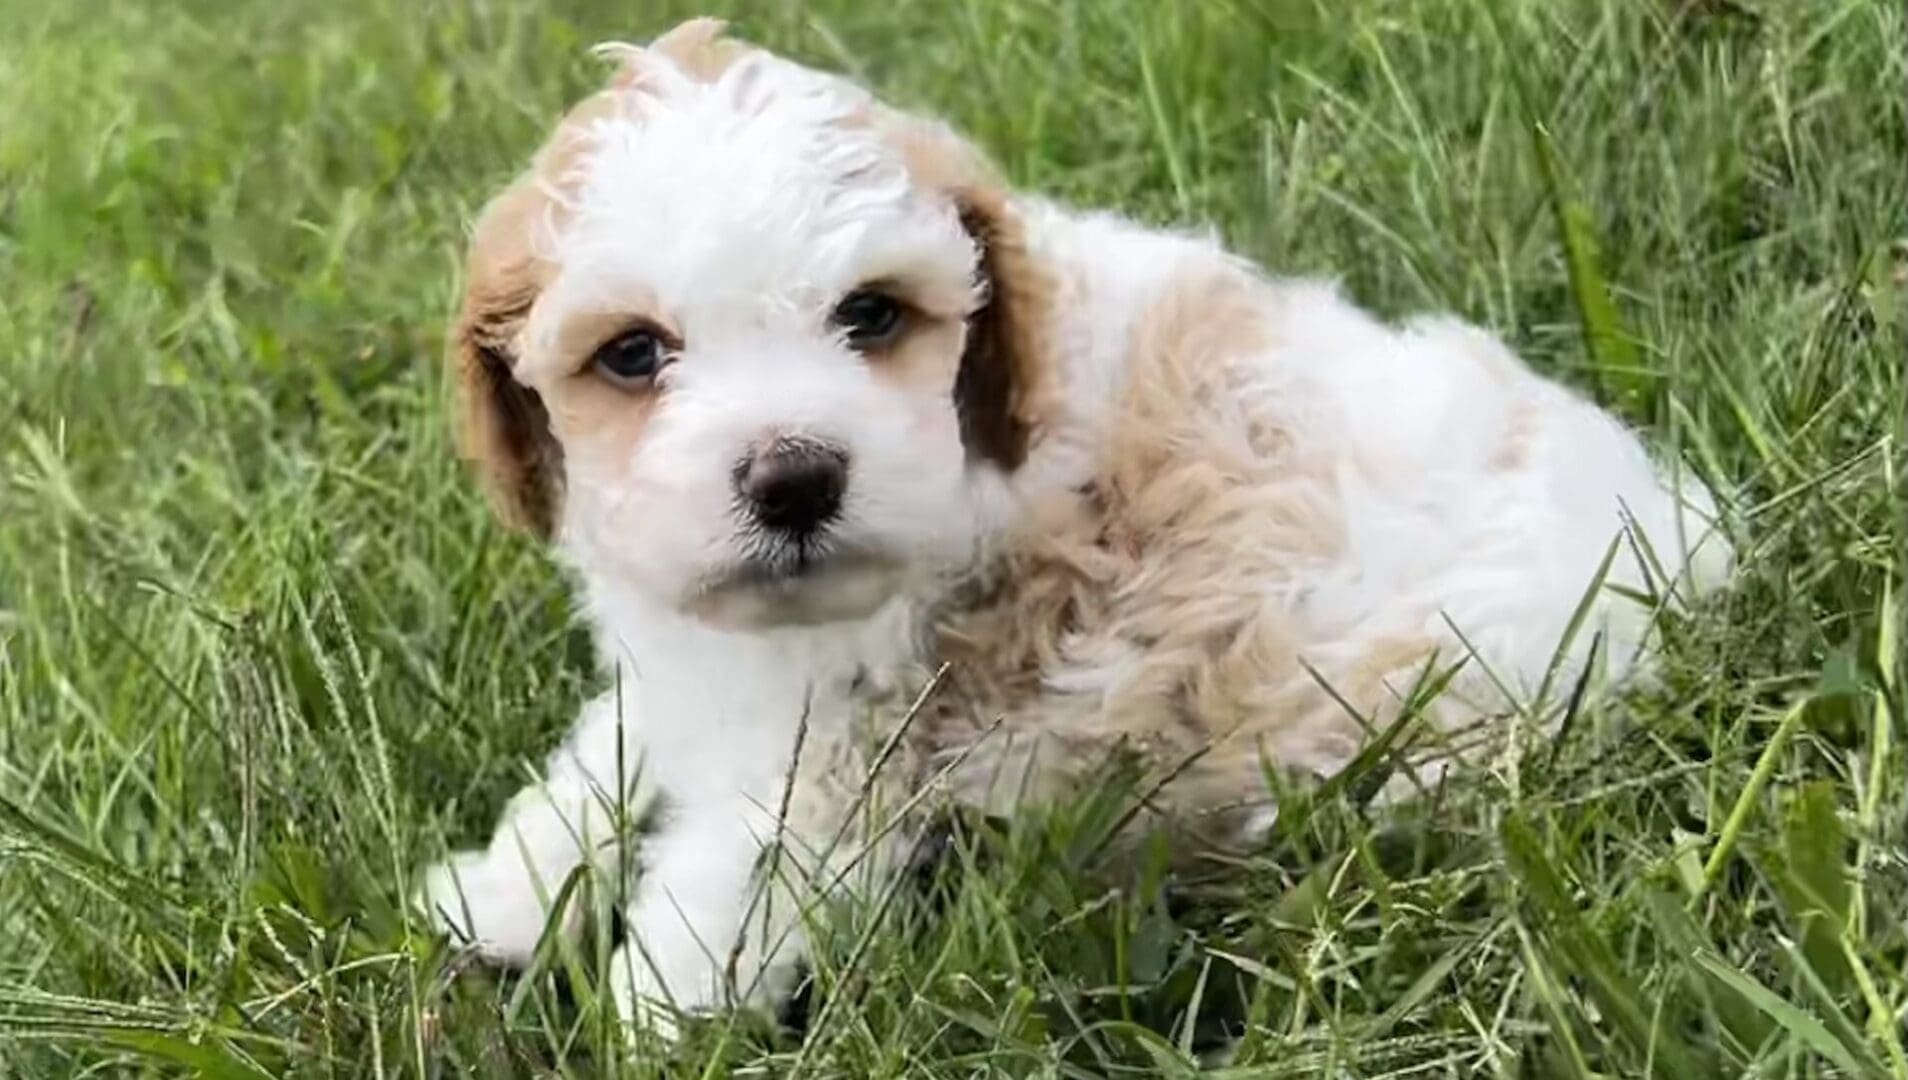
x=814 y=408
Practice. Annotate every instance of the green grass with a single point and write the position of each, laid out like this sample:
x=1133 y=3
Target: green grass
x=262 y=653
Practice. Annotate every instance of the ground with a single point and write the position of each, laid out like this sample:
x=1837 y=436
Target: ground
x=263 y=654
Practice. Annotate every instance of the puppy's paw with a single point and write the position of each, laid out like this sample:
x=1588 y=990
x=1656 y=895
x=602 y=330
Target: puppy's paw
x=665 y=978
x=496 y=904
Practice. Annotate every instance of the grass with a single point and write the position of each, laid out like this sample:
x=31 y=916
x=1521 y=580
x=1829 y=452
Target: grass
x=262 y=653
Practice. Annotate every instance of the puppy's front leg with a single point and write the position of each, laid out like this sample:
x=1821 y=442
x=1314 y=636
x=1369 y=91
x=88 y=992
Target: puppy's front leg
x=499 y=897
x=696 y=910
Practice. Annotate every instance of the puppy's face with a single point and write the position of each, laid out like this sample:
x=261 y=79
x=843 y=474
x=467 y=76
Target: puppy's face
x=743 y=340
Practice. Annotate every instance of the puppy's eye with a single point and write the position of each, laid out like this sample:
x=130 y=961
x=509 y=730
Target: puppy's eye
x=629 y=358
x=870 y=319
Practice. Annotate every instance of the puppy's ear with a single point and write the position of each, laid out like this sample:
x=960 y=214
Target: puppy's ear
x=1001 y=387
x=1000 y=383
x=504 y=430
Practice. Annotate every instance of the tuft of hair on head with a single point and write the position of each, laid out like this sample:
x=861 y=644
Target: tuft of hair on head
x=698 y=49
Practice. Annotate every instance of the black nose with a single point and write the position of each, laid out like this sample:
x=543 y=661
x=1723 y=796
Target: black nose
x=794 y=486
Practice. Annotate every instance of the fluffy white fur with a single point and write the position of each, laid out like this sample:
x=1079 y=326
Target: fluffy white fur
x=737 y=197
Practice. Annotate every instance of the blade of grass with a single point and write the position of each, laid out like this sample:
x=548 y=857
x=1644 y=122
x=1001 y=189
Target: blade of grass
x=1624 y=382
x=1573 y=942
x=1805 y=1028
x=1745 y=805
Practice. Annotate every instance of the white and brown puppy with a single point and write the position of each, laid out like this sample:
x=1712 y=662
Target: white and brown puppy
x=811 y=405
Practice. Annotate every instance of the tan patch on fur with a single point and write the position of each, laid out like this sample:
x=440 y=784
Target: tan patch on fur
x=1162 y=609
x=599 y=424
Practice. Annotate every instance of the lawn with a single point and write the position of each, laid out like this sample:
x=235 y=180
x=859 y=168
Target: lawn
x=263 y=653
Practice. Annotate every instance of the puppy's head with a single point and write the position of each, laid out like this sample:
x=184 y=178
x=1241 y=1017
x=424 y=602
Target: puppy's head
x=747 y=341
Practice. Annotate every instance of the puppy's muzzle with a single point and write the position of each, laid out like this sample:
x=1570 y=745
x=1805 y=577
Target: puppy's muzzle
x=793 y=487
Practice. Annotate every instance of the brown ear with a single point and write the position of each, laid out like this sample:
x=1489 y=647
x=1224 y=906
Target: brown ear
x=999 y=386
x=504 y=430
x=1002 y=383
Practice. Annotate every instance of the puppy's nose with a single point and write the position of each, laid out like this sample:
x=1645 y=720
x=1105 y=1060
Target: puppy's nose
x=794 y=486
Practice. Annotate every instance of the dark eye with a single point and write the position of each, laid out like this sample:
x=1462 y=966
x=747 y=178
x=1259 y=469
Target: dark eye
x=629 y=358
x=870 y=319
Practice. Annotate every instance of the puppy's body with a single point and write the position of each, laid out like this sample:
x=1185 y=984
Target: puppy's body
x=1132 y=493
